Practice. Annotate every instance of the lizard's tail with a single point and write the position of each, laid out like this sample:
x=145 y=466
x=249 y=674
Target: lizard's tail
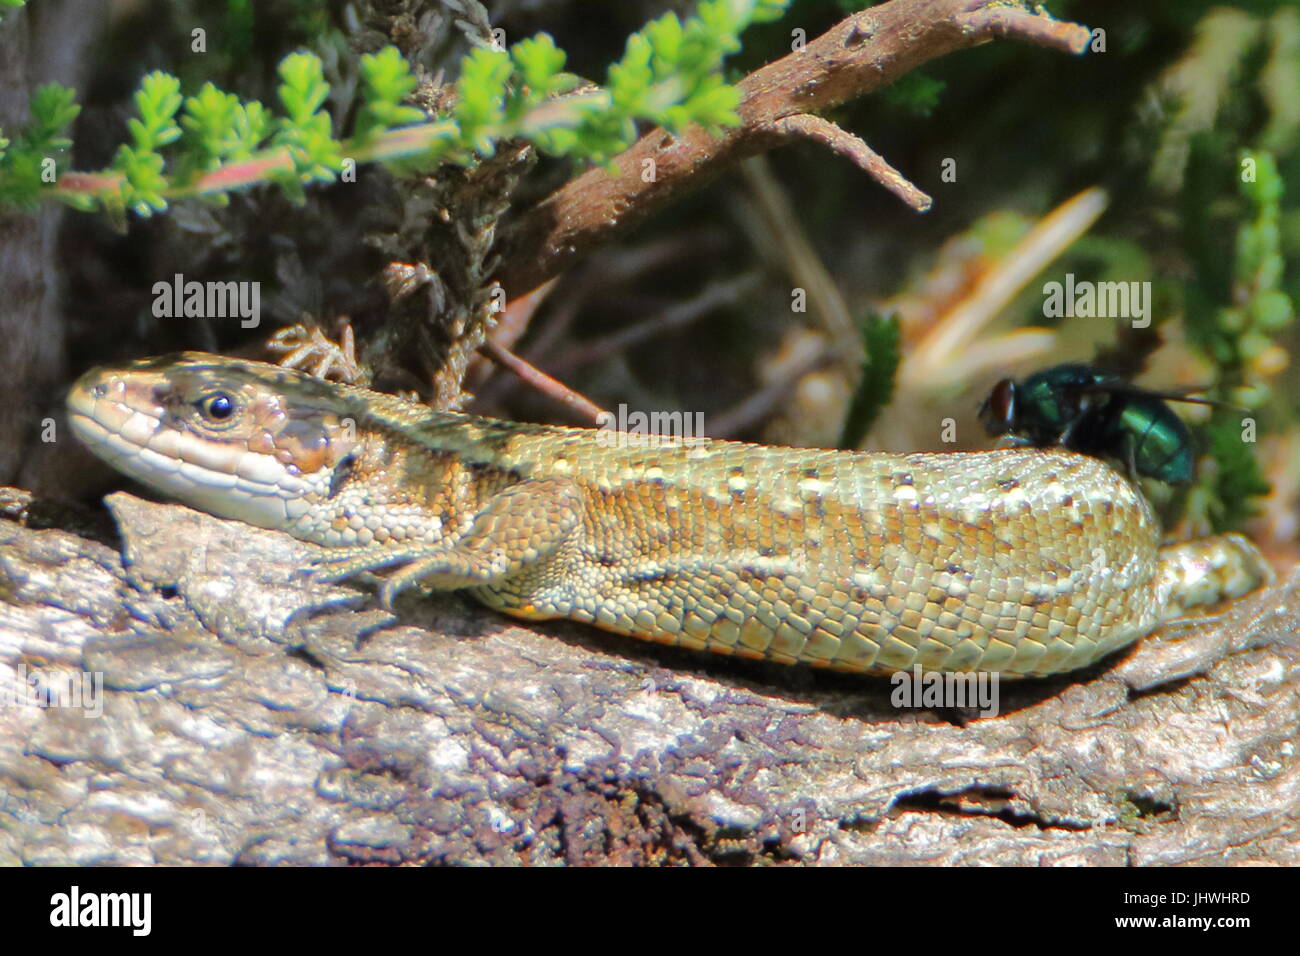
x=1209 y=570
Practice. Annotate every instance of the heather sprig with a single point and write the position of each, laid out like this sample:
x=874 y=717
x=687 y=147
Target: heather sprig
x=212 y=142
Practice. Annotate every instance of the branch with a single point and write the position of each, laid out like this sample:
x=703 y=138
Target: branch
x=1017 y=24
x=715 y=296
x=583 y=406
x=808 y=126
x=860 y=54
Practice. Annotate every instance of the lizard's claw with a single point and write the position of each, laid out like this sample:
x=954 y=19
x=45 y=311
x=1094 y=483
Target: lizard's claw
x=400 y=580
x=335 y=566
x=324 y=571
x=331 y=569
x=360 y=564
x=387 y=593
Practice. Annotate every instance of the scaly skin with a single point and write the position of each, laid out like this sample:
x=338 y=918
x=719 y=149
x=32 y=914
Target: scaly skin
x=1023 y=562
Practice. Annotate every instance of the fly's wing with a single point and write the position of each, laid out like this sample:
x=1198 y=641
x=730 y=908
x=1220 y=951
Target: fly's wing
x=1129 y=390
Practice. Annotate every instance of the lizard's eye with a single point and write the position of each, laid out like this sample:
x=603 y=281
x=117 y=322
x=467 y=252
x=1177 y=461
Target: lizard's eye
x=216 y=407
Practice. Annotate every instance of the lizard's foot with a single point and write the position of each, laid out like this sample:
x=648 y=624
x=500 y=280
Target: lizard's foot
x=433 y=569
x=345 y=563
x=304 y=344
x=445 y=570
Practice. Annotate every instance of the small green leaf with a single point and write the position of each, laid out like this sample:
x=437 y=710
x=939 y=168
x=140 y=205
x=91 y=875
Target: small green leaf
x=386 y=81
x=540 y=64
x=306 y=131
x=665 y=39
x=143 y=185
x=53 y=109
x=1238 y=478
x=1272 y=310
x=303 y=89
x=482 y=89
x=880 y=339
x=157 y=101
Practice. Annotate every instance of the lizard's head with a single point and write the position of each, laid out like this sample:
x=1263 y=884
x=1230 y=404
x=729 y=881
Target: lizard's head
x=239 y=439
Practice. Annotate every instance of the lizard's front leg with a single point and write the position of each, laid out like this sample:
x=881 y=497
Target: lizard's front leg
x=521 y=525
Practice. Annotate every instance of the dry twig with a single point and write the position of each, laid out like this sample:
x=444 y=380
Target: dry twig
x=860 y=54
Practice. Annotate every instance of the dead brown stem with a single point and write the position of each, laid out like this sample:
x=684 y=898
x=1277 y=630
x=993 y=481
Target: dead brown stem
x=808 y=126
x=535 y=377
x=860 y=54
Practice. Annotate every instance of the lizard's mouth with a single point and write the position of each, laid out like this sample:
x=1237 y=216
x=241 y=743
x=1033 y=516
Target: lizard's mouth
x=132 y=426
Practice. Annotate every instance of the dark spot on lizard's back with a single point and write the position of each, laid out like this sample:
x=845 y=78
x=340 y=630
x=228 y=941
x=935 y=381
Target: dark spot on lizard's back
x=497 y=435
x=483 y=471
x=1007 y=484
x=342 y=472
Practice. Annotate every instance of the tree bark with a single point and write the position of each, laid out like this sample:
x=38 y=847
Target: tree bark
x=39 y=44
x=234 y=732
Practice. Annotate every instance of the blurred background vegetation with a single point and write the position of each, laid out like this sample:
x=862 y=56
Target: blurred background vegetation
x=1120 y=165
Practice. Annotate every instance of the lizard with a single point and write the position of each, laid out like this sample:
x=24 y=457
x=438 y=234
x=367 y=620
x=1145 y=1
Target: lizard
x=1025 y=562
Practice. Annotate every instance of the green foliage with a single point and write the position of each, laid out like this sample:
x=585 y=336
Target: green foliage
x=219 y=128
x=881 y=338
x=539 y=68
x=915 y=94
x=668 y=71
x=539 y=64
x=1229 y=114
x=1237 y=479
x=386 y=80
x=480 y=105
x=54 y=108
x=1237 y=317
x=1254 y=307
x=670 y=74
x=23 y=160
x=141 y=163
x=1246 y=332
x=306 y=129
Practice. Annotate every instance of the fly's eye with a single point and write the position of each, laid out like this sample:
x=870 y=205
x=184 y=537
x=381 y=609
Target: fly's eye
x=217 y=407
x=1004 y=399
